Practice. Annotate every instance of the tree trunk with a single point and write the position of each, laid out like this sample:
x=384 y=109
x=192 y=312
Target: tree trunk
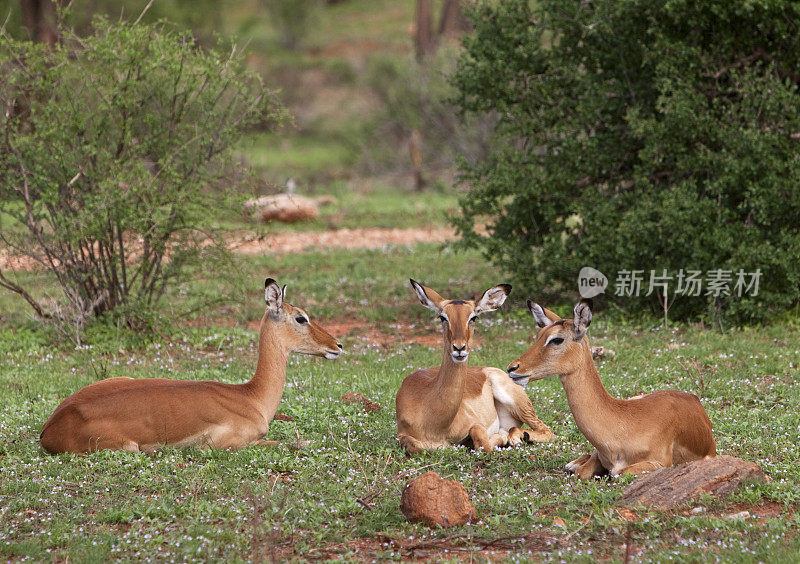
x=452 y=23
x=424 y=40
x=39 y=17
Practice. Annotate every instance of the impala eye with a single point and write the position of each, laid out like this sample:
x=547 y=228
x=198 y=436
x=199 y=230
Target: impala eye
x=301 y=320
x=555 y=341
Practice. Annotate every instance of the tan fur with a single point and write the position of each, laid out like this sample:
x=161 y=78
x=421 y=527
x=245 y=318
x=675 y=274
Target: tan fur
x=636 y=435
x=145 y=414
x=453 y=403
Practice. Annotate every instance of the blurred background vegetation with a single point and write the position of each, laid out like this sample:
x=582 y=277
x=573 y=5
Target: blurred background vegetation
x=364 y=93
x=345 y=69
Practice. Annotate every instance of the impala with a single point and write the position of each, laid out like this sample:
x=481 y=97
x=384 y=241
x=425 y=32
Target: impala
x=145 y=414
x=630 y=436
x=454 y=403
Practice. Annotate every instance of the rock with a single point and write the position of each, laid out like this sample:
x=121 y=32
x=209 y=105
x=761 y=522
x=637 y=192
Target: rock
x=740 y=515
x=434 y=501
x=286 y=208
x=298 y=444
x=601 y=352
x=666 y=487
x=358 y=397
x=698 y=510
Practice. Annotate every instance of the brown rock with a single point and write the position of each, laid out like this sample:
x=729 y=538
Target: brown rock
x=286 y=208
x=434 y=501
x=601 y=353
x=358 y=397
x=718 y=476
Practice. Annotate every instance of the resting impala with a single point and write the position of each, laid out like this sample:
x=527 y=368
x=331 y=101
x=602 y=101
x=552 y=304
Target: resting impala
x=630 y=436
x=145 y=414
x=452 y=403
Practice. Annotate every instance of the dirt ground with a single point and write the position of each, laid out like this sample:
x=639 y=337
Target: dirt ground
x=294 y=242
x=359 y=238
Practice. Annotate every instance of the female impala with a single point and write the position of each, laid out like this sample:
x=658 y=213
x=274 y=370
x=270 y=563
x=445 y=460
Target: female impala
x=451 y=403
x=631 y=436
x=145 y=414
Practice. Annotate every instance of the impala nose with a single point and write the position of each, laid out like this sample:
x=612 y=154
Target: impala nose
x=512 y=367
x=459 y=349
x=339 y=345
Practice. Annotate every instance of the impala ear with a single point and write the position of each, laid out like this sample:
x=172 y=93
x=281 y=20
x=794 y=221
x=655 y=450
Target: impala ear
x=582 y=319
x=427 y=297
x=283 y=292
x=273 y=295
x=540 y=314
x=493 y=298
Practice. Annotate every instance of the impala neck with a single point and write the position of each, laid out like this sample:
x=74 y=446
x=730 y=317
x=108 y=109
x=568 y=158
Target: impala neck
x=270 y=377
x=592 y=407
x=449 y=388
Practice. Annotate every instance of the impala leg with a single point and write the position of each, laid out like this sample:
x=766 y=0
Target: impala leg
x=266 y=443
x=517 y=436
x=130 y=446
x=412 y=445
x=481 y=439
x=591 y=468
x=522 y=408
x=573 y=465
x=540 y=436
x=642 y=467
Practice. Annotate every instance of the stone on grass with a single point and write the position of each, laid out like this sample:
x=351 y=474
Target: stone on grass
x=285 y=208
x=358 y=397
x=599 y=353
x=718 y=476
x=434 y=501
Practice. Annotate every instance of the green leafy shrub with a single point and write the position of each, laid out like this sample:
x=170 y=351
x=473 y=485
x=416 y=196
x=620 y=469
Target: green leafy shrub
x=293 y=19
x=105 y=144
x=417 y=98
x=639 y=135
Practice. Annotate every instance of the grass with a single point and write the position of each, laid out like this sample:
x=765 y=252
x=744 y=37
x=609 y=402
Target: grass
x=277 y=503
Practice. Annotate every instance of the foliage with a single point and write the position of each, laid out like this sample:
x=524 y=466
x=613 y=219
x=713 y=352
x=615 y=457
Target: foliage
x=415 y=97
x=105 y=144
x=667 y=132
x=202 y=17
x=293 y=19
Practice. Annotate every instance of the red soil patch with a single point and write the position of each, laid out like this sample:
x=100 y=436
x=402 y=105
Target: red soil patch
x=760 y=511
x=285 y=243
x=401 y=333
x=359 y=238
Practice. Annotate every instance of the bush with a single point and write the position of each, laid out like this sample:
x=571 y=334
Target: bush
x=416 y=98
x=105 y=143
x=293 y=19
x=639 y=135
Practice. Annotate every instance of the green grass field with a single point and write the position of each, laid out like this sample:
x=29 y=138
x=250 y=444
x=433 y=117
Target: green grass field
x=339 y=498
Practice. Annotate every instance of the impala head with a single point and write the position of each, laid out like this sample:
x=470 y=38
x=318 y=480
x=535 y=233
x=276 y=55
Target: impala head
x=297 y=331
x=457 y=316
x=560 y=346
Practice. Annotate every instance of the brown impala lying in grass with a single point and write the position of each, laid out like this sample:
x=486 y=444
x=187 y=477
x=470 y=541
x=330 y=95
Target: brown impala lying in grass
x=451 y=403
x=631 y=436
x=148 y=413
